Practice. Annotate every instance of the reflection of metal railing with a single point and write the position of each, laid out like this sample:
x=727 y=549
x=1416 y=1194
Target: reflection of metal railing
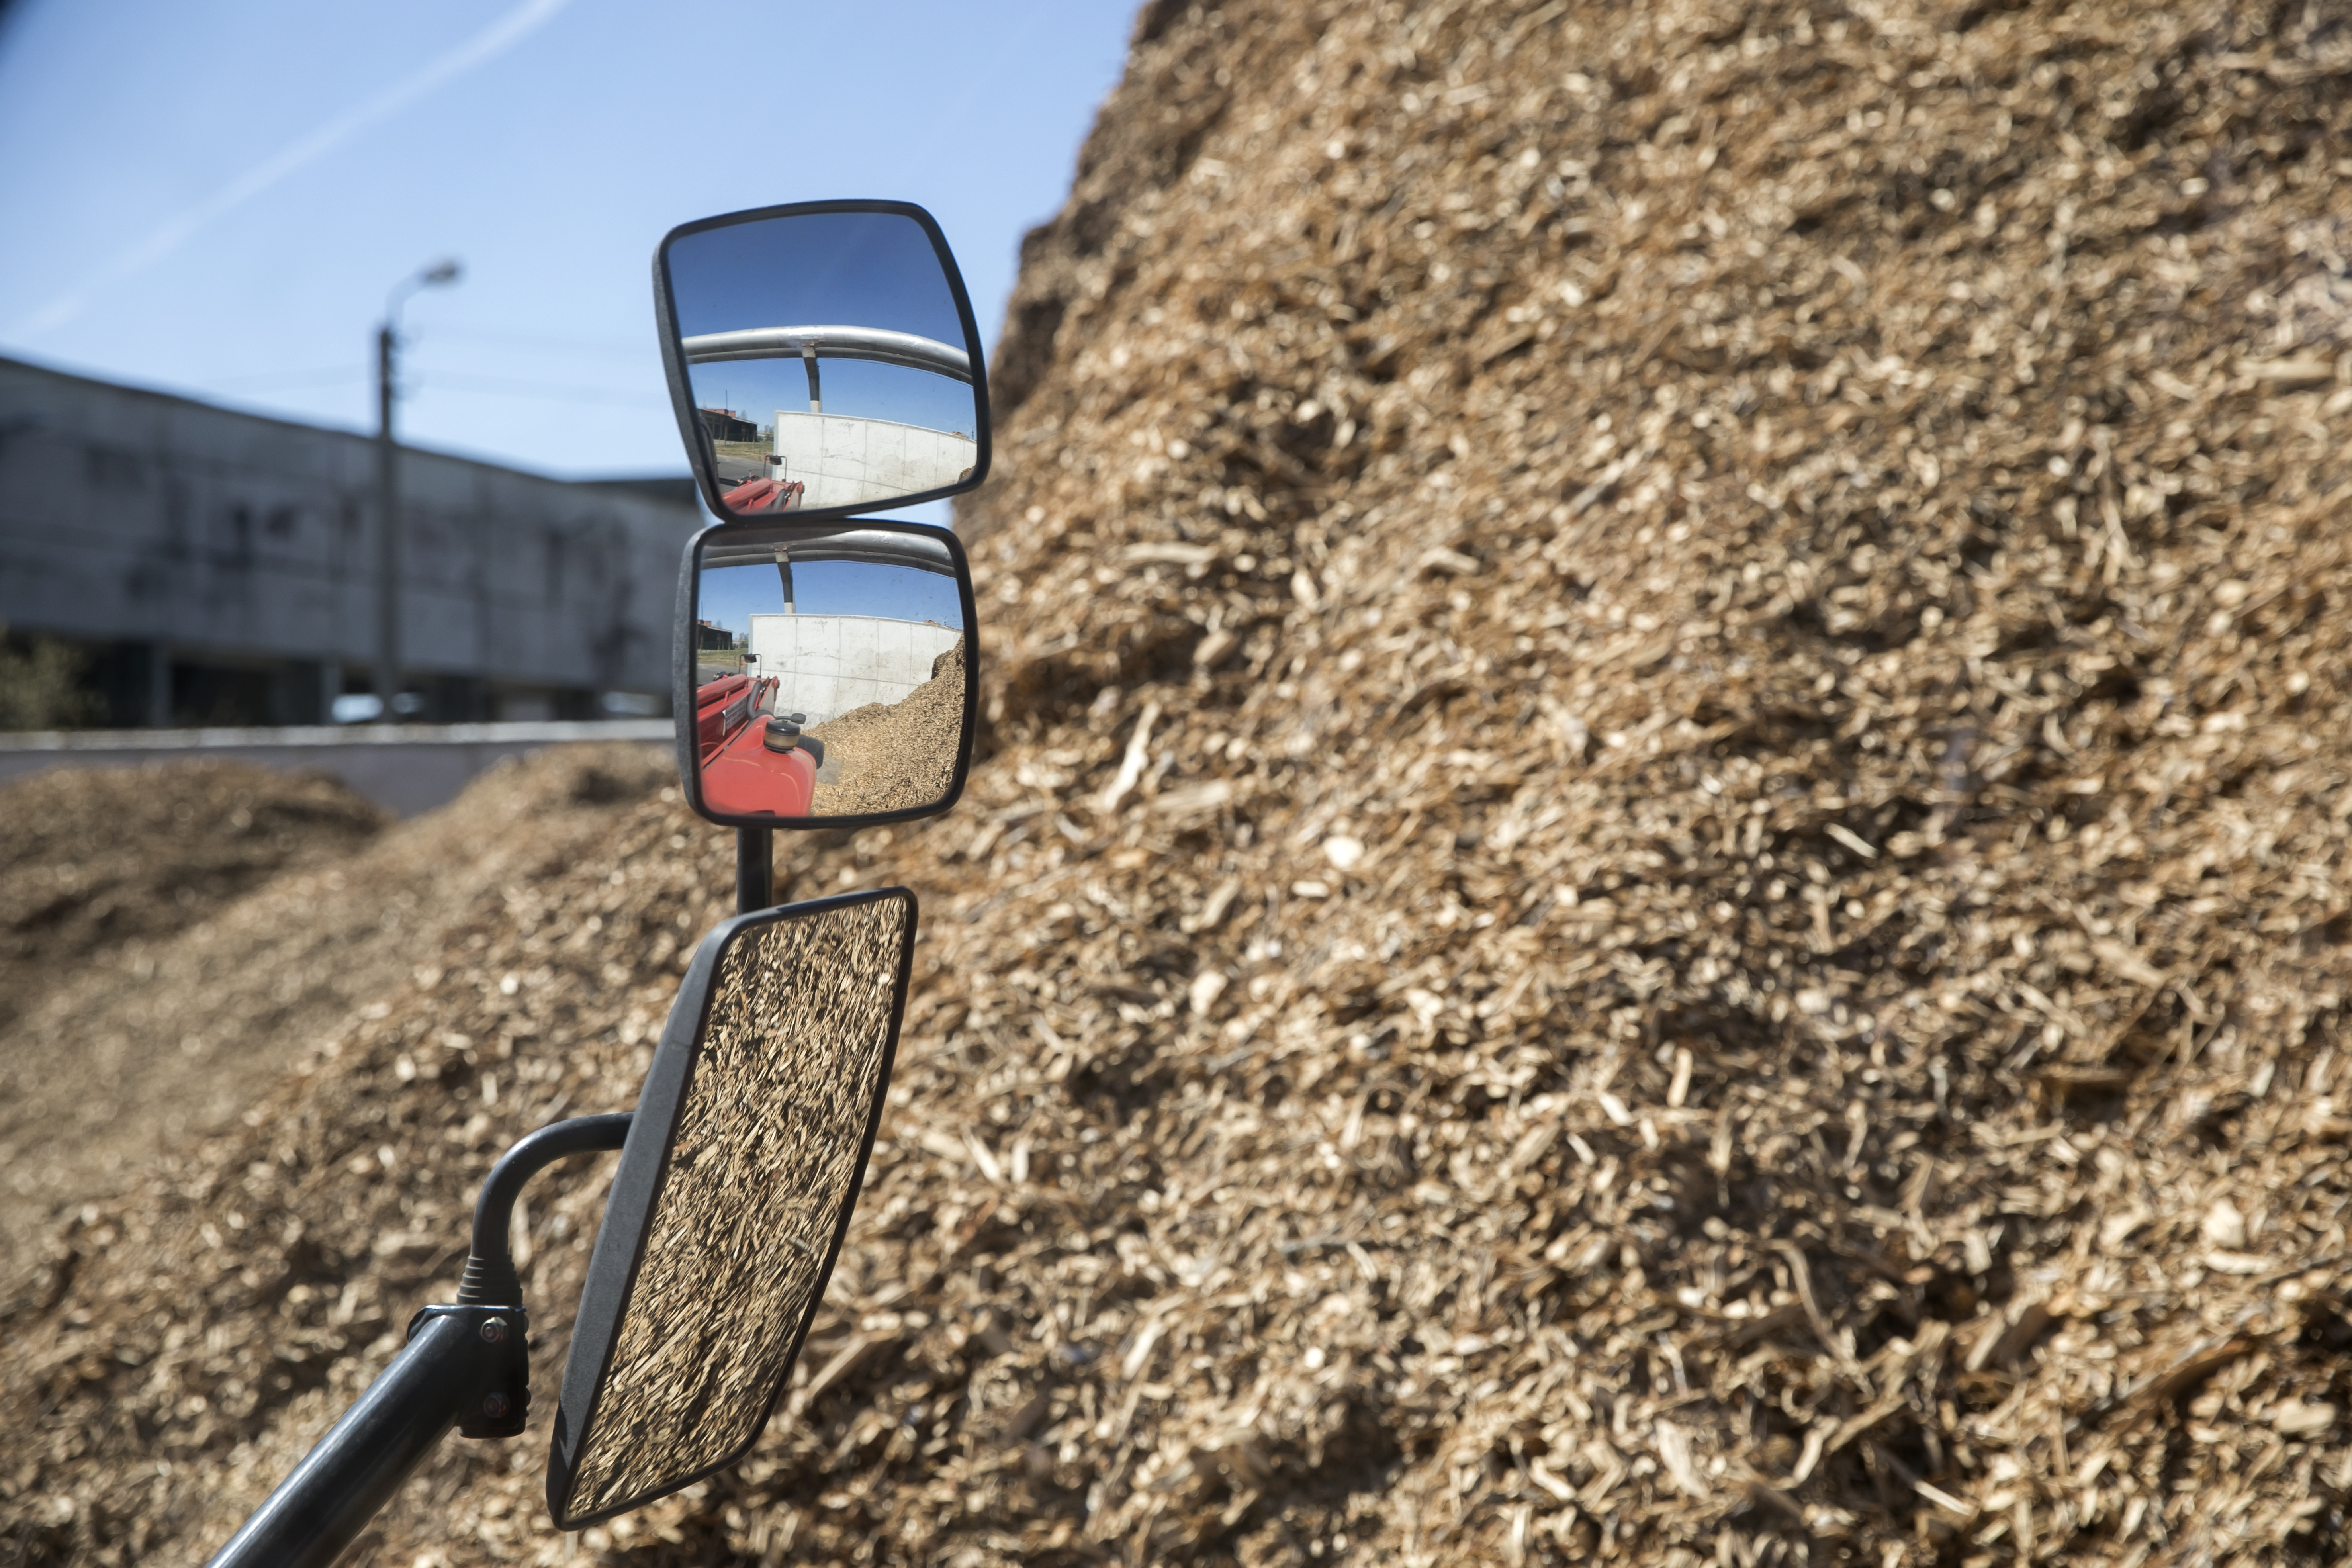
x=872 y=546
x=876 y=344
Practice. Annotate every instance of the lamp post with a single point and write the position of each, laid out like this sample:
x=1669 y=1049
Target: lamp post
x=387 y=486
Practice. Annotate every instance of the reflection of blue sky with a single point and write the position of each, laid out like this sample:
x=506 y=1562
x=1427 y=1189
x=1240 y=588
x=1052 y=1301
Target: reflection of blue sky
x=857 y=270
x=730 y=596
x=756 y=388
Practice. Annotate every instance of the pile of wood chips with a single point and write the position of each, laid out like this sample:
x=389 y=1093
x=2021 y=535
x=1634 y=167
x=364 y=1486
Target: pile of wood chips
x=1659 y=874
x=893 y=756
x=154 y=1020
x=94 y=859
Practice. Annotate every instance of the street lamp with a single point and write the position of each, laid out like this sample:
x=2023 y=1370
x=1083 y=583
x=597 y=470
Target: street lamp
x=387 y=485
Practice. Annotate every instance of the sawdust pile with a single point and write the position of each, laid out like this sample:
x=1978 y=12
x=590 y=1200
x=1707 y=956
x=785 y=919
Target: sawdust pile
x=1660 y=876
x=134 y=1047
x=92 y=858
x=898 y=754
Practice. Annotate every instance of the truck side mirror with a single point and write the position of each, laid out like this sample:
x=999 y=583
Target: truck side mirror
x=732 y=1198
x=823 y=359
x=824 y=676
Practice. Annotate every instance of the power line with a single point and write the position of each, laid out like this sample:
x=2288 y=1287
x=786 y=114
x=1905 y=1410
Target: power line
x=266 y=380
x=556 y=391
x=542 y=339
x=456 y=381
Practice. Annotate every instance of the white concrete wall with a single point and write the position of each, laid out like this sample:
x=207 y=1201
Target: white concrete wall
x=847 y=461
x=826 y=665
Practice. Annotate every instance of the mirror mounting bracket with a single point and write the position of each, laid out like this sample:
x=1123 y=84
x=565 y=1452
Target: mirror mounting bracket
x=462 y=1366
x=466 y=1364
x=496 y=1402
x=489 y=1279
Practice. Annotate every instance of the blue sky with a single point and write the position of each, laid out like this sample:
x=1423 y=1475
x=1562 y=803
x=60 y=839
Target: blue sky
x=860 y=269
x=730 y=596
x=866 y=269
x=217 y=199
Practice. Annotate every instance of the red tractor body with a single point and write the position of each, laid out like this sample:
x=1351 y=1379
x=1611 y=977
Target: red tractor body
x=744 y=772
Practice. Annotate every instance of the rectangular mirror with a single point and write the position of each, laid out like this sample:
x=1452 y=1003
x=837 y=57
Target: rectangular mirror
x=823 y=358
x=733 y=1194
x=826 y=674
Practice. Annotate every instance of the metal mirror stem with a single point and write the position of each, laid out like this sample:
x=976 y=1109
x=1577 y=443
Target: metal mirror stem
x=755 y=869
x=353 y=1471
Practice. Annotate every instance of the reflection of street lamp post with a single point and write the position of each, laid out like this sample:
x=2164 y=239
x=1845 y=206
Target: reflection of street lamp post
x=387 y=486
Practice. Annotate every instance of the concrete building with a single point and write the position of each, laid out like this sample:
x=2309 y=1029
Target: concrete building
x=726 y=424
x=220 y=567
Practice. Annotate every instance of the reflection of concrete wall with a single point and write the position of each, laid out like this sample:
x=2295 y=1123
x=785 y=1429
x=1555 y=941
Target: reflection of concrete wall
x=826 y=665
x=847 y=461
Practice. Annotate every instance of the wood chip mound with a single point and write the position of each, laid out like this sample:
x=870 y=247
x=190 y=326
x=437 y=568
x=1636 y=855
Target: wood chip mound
x=124 y=1050
x=896 y=755
x=92 y=858
x=1658 y=873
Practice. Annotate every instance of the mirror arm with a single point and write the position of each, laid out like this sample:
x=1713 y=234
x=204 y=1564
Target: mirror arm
x=489 y=1279
x=453 y=1356
x=755 y=869
x=466 y=1365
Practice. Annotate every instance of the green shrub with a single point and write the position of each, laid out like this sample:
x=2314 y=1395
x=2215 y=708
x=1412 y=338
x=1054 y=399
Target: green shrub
x=41 y=686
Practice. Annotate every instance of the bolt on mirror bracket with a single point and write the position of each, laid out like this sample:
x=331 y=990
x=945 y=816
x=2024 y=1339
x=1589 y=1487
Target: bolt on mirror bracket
x=496 y=1401
x=823 y=359
x=461 y=1366
x=465 y=1363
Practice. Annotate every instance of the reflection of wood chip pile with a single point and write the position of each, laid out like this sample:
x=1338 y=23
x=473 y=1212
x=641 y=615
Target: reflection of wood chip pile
x=898 y=754
x=1393 y=1095
x=766 y=1149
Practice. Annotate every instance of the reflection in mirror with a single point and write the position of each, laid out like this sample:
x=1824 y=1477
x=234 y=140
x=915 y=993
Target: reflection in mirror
x=829 y=672
x=768 y=1109
x=828 y=362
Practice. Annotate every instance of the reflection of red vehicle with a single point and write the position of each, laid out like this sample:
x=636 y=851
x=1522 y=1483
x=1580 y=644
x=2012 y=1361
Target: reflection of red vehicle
x=748 y=768
x=724 y=706
x=765 y=495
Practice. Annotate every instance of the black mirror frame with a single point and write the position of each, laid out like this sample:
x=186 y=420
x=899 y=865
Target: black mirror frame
x=636 y=1187
x=682 y=665
x=681 y=388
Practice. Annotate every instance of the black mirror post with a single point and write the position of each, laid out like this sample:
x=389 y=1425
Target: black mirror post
x=338 y=1486
x=755 y=869
x=464 y=1366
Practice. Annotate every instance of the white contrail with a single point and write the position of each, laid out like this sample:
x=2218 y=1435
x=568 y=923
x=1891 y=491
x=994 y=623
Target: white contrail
x=478 y=50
